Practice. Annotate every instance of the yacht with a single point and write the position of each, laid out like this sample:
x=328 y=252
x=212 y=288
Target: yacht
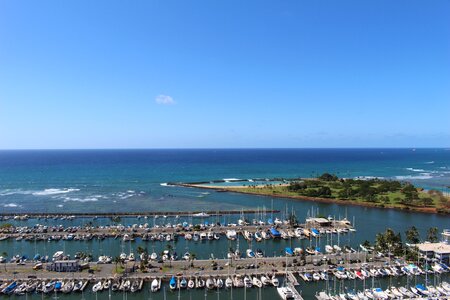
x=285 y=292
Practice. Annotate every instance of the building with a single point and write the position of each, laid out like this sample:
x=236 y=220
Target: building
x=439 y=251
x=64 y=266
x=319 y=222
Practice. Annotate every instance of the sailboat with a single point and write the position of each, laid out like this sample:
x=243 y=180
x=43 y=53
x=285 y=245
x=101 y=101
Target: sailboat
x=284 y=291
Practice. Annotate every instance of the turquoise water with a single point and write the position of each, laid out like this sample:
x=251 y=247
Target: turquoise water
x=131 y=180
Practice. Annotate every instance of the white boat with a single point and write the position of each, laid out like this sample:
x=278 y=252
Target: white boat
x=231 y=235
x=155 y=286
x=256 y=282
x=265 y=280
x=248 y=282
x=328 y=249
x=154 y=256
x=191 y=283
x=250 y=253
x=228 y=282
x=96 y=288
x=275 y=281
x=285 y=292
x=219 y=283
x=200 y=215
x=248 y=235
x=378 y=293
x=58 y=255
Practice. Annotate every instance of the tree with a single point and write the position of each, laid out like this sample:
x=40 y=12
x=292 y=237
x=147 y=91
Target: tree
x=412 y=235
x=117 y=260
x=432 y=235
x=192 y=257
x=328 y=177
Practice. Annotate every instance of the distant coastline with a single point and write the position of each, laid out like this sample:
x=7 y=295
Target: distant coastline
x=280 y=190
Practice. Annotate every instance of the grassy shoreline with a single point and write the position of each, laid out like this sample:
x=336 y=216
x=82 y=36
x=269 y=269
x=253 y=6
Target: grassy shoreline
x=375 y=193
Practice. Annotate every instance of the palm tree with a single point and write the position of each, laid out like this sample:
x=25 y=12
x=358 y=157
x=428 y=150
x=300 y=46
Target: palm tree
x=192 y=257
x=412 y=235
x=117 y=260
x=432 y=234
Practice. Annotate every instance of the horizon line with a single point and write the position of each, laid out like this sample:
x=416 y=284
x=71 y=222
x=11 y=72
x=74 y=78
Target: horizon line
x=216 y=148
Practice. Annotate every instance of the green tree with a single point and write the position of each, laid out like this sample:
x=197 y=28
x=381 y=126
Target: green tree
x=412 y=235
x=432 y=235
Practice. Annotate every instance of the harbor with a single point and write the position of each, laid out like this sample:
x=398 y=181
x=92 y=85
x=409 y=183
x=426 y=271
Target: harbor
x=149 y=254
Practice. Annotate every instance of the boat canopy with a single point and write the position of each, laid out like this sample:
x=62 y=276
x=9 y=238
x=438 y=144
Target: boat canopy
x=275 y=232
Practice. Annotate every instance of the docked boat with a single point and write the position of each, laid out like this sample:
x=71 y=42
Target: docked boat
x=250 y=253
x=210 y=283
x=288 y=251
x=285 y=292
x=155 y=286
x=191 y=283
x=228 y=282
x=256 y=282
x=173 y=283
x=248 y=282
x=275 y=281
x=231 y=235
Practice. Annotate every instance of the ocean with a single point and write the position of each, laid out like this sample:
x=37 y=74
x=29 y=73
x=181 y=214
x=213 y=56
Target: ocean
x=133 y=180
x=130 y=180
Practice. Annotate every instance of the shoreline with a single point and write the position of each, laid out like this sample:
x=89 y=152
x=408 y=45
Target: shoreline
x=426 y=210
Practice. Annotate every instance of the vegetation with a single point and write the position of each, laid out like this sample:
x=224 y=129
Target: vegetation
x=392 y=242
x=376 y=192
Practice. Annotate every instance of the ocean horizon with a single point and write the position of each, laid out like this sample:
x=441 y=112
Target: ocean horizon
x=133 y=179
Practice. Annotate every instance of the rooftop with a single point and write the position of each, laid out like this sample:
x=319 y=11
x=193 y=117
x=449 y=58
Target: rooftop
x=441 y=248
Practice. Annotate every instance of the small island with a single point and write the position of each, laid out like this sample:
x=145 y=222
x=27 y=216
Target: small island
x=373 y=192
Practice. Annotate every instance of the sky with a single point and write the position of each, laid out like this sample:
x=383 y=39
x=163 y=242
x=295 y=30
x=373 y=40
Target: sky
x=224 y=74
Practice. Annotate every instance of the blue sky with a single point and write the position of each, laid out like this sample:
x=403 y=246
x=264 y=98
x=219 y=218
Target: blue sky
x=176 y=74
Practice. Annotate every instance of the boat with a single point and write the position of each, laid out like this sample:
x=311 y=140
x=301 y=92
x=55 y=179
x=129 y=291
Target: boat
x=68 y=287
x=248 y=235
x=378 y=293
x=210 y=283
x=285 y=292
x=288 y=251
x=183 y=283
x=228 y=282
x=134 y=286
x=258 y=236
x=191 y=284
x=422 y=289
x=275 y=281
x=328 y=249
x=10 y=288
x=97 y=287
x=248 y=282
x=219 y=283
x=155 y=285
x=250 y=253
x=396 y=292
x=231 y=234
x=49 y=287
x=173 y=283
x=256 y=282
x=200 y=215
x=274 y=233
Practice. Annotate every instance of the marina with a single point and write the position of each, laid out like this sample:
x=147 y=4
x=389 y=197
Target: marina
x=309 y=252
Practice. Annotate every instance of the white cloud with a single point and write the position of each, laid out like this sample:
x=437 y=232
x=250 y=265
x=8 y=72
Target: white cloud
x=164 y=100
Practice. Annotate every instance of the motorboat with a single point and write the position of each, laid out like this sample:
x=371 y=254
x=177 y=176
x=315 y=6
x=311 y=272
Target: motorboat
x=173 y=283
x=155 y=286
x=285 y=293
